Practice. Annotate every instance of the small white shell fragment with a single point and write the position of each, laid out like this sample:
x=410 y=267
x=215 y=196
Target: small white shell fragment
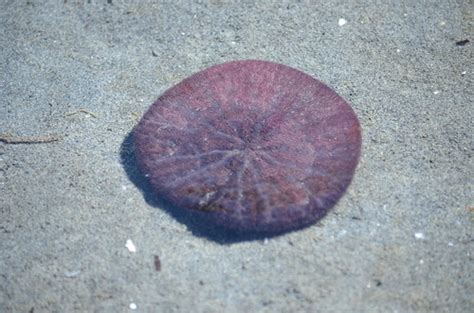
x=72 y=273
x=342 y=22
x=419 y=236
x=130 y=246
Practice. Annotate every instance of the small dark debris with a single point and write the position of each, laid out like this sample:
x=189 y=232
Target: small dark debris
x=32 y=310
x=157 y=263
x=462 y=42
x=201 y=283
x=267 y=302
x=109 y=1
x=356 y=218
x=153 y=53
x=104 y=296
x=378 y=283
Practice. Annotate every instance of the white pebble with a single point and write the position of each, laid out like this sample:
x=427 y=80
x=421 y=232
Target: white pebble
x=419 y=236
x=342 y=22
x=133 y=306
x=130 y=246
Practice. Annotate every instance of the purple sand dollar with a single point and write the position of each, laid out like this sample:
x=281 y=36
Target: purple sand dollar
x=258 y=146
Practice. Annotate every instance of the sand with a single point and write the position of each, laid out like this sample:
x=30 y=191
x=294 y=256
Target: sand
x=80 y=231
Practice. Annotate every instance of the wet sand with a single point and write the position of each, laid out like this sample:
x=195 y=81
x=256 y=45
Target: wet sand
x=80 y=230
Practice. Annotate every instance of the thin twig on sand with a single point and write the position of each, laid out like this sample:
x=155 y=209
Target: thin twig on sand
x=82 y=111
x=10 y=139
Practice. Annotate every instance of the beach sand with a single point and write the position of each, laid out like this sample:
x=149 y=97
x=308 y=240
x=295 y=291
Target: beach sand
x=80 y=230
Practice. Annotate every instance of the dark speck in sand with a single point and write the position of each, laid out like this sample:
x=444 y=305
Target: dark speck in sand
x=462 y=42
x=157 y=263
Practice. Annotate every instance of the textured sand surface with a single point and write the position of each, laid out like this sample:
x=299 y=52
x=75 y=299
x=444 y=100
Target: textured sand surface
x=80 y=232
